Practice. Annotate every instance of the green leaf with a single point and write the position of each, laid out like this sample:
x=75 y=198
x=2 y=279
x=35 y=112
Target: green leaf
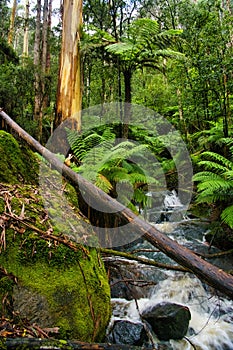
x=227 y=216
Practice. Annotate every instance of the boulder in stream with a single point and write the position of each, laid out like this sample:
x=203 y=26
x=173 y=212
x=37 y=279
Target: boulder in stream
x=168 y=320
x=126 y=332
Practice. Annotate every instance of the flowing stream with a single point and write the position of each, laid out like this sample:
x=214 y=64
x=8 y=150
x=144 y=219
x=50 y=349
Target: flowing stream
x=211 y=324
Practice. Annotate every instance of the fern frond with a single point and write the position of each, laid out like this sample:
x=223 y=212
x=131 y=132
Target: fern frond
x=76 y=143
x=227 y=216
x=123 y=49
x=211 y=191
x=215 y=185
x=126 y=150
x=92 y=141
x=219 y=158
x=229 y=175
x=213 y=166
x=137 y=178
x=118 y=175
x=103 y=183
x=139 y=196
x=206 y=176
x=144 y=28
x=108 y=135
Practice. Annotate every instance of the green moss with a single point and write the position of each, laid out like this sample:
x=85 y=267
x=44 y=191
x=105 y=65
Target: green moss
x=75 y=295
x=71 y=285
x=18 y=163
x=2 y=205
x=6 y=289
x=71 y=195
x=3 y=345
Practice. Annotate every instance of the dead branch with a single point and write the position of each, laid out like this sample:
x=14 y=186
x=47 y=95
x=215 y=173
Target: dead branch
x=143 y=260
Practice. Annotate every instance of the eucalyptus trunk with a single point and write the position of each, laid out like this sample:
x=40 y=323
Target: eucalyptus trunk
x=37 y=56
x=12 y=23
x=26 y=29
x=69 y=92
x=45 y=62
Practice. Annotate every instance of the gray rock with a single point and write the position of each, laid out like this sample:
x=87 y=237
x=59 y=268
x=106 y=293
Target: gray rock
x=168 y=320
x=126 y=332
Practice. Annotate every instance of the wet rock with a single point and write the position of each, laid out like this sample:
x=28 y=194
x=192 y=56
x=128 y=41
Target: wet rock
x=168 y=320
x=126 y=332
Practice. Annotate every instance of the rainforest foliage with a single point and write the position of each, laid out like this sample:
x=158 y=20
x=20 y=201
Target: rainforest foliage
x=174 y=57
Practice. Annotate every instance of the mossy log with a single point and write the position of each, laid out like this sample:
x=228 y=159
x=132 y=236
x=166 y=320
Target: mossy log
x=207 y=272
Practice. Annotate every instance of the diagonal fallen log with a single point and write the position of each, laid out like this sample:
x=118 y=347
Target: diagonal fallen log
x=207 y=272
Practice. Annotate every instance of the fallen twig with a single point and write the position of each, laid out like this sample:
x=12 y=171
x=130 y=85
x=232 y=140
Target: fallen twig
x=143 y=260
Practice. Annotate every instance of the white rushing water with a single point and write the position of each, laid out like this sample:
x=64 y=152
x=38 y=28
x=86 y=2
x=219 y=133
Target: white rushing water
x=210 y=327
x=211 y=324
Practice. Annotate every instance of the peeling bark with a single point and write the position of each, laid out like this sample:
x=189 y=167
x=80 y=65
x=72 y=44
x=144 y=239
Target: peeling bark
x=69 y=94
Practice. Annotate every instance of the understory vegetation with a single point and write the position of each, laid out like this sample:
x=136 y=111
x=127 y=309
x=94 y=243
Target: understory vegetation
x=173 y=57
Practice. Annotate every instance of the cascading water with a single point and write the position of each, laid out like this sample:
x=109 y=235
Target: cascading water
x=167 y=208
x=211 y=324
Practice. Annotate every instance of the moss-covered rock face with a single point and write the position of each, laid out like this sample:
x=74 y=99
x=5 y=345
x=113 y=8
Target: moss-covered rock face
x=45 y=277
x=18 y=164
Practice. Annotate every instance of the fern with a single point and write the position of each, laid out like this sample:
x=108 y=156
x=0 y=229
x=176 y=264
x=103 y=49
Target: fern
x=92 y=141
x=76 y=144
x=218 y=158
x=206 y=176
x=215 y=184
x=209 y=165
x=103 y=183
x=107 y=164
x=227 y=216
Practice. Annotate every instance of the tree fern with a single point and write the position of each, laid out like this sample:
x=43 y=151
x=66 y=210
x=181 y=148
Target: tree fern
x=145 y=44
x=109 y=165
x=215 y=183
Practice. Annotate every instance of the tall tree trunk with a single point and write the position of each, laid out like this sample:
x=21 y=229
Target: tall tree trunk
x=69 y=92
x=37 y=34
x=37 y=56
x=12 y=23
x=44 y=36
x=181 y=114
x=128 y=99
x=26 y=29
x=45 y=61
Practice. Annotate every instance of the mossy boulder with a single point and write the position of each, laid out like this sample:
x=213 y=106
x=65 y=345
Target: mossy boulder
x=46 y=278
x=18 y=164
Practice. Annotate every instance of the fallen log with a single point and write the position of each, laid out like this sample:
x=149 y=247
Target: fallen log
x=207 y=272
